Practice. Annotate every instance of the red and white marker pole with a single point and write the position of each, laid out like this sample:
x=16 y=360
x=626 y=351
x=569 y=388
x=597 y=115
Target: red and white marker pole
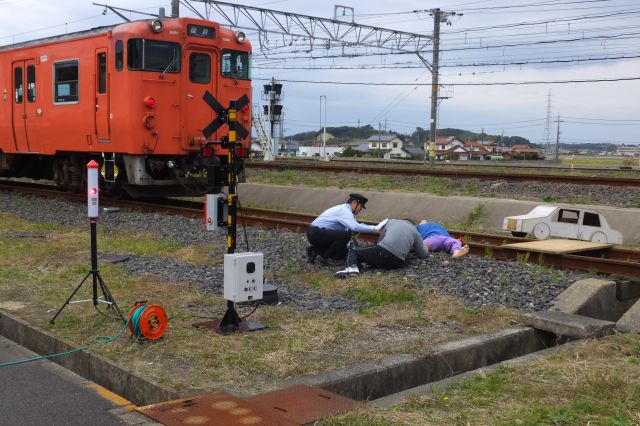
x=92 y=190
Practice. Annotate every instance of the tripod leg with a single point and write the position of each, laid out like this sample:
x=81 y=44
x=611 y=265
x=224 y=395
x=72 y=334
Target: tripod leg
x=109 y=298
x=70 y=297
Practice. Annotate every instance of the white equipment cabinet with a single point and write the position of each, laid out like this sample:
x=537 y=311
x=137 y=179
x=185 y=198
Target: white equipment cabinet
x=243 y=276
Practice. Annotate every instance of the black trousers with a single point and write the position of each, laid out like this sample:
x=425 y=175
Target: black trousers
x=329 y=243
x=375 y=256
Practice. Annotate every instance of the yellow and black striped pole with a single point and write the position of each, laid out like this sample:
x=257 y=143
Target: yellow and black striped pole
x=232 y=198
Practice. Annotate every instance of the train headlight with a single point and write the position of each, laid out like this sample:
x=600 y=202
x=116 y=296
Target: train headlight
x=156 y=25
x=240 y=37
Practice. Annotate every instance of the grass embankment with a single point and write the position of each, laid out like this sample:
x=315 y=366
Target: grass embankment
x=42 y=264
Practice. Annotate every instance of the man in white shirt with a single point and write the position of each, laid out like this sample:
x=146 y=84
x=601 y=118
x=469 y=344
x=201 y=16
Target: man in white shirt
x=330 y=232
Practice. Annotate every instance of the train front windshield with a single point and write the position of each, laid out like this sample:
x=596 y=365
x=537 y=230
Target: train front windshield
x=236 y=64
x=153 y=55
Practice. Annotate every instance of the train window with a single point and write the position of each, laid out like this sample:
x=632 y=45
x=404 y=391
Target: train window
x=102 y=72
x=18 y=84
x=153 y=55
x=65 y=82
x=200 y=68
x=119 y=55
x=236 y=64
x=31 y=83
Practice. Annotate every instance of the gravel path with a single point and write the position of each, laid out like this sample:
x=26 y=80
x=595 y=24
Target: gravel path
x=475 y=280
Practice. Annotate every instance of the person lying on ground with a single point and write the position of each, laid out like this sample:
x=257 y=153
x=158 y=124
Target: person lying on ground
x=330 y=232
x=398 y=239
x=437 y=238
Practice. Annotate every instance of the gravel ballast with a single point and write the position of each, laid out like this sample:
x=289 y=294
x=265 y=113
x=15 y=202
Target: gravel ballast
x=477 y=281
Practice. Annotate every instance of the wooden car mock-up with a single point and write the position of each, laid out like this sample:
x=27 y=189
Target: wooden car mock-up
x=553 y=221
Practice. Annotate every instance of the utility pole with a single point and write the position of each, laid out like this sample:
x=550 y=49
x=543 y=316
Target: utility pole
x=434 y=86
x=558 y=138
x=438 y=17
x=548 y=124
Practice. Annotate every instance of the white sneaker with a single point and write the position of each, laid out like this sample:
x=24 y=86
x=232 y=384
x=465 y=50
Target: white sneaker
x=348 y=271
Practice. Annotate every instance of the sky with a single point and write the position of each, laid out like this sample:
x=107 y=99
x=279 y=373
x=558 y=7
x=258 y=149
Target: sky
x=540 y=69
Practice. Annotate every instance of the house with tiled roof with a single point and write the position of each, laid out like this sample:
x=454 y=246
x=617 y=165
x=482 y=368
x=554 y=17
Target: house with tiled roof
x=524 y=152
x=391 y=145
x=444 y=143
x=477 y=151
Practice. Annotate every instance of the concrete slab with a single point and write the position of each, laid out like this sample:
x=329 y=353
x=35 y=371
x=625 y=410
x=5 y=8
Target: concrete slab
x=630 y=321
x=557 y=246
x=590 y=297
x=568 y=325
x=419 y=206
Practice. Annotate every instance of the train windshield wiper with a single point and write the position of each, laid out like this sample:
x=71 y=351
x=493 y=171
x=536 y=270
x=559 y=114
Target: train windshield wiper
x=173 y=61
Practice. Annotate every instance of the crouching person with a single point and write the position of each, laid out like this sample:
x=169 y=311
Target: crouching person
x=330 y=232
x=398 y=239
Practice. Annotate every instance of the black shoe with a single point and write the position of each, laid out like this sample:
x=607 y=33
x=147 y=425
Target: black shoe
x=311 y=254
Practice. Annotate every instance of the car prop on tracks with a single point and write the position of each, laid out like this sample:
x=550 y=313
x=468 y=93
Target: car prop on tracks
x=552 y=221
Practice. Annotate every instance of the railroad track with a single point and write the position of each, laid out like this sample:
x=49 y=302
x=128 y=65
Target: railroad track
x=613 y=260
x=508 y=175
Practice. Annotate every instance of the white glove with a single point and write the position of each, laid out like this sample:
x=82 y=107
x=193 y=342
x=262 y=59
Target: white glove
x=381 y=225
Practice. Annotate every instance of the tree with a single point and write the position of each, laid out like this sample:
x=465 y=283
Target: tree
x=350 y=152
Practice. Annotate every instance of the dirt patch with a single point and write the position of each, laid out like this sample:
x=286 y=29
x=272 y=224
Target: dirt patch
x=11 y=305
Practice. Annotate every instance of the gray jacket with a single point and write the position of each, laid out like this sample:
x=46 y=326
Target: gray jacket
x=400 y=237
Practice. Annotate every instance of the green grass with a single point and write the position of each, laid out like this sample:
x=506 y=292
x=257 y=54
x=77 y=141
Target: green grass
x=377 y=296
x=473 y=218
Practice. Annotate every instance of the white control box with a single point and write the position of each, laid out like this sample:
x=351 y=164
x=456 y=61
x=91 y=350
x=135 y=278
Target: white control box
x=243 y=276
x=215 y=211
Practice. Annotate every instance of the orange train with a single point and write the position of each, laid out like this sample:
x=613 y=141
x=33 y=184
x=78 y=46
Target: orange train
x=137 y=97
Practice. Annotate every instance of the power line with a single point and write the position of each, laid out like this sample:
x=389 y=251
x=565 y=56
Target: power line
x=506 y=83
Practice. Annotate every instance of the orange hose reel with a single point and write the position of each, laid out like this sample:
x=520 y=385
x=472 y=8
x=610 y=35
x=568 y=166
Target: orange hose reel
x=150 y=321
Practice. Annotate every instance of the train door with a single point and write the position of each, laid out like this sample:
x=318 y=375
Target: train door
x=23 y=105
x=201 y=77
x=102 y=97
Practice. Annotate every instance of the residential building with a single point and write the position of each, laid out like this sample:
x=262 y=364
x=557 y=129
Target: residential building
x=628 y=150
x=524 y=152
x=391 y=145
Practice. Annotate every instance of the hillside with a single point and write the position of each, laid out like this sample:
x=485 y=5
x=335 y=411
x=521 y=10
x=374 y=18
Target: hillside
x=418 y=136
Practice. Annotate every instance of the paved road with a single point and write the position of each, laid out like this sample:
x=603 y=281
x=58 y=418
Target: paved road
x=43 y=393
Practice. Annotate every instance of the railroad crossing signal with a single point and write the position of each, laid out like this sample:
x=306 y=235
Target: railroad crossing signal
x=223 y=116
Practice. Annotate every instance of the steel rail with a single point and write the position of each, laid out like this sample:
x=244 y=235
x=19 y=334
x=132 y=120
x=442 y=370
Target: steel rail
x=452 y=174
x=618 y=261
